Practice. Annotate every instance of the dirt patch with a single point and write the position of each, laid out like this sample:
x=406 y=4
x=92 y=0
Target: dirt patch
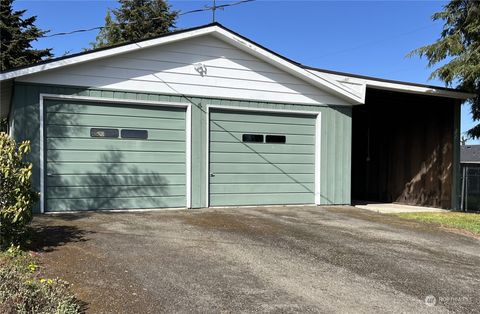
x=102 y=285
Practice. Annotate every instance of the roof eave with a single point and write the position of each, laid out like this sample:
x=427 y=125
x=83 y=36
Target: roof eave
x=398 y=86
x=412 y=89
x=103 y=53
x=319 y=81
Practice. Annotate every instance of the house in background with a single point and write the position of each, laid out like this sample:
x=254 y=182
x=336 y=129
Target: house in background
x=206 y=117
x=470 y=180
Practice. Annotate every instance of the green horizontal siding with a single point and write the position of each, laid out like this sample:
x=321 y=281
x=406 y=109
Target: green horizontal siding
x=261 y=127
x=223 y=147
x=256 y=199
x=293 y=139
x=143 y=190
x=89 y=156
x=109 y=179
x=115 y=203
x=100 y=165
x=263 y=166
x=276 y=158
x=111 y=166
x=69 y=107
x=261 y=158
x=173 y=144
x=263 y=178
x=335 y=144
x=113 y=122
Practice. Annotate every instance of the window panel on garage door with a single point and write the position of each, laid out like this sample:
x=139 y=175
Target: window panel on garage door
x=103 y=169
x=277 y=168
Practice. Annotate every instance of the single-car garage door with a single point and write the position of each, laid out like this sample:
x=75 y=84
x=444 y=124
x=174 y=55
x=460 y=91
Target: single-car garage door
x=105 y=156
x=261 y=158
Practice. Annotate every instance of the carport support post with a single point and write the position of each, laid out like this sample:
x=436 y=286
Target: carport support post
x=456 y=156
x=462 y=200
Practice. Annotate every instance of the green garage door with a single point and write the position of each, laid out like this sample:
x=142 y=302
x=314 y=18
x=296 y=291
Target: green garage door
x=102 y=156
x=261 y=158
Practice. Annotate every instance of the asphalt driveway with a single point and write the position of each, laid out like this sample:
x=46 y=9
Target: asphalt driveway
x=292 y=259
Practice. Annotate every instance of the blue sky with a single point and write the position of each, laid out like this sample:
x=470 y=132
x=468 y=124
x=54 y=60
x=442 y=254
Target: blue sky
x=363 y=37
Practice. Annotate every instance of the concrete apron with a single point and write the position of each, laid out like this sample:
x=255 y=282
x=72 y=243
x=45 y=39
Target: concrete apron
x=393 y=208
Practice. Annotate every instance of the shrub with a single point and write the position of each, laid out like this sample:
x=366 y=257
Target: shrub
x=24 y=290
x=3 y=125
x=16 y=194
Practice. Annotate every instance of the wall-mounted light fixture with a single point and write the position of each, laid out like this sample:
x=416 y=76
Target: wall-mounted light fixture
x=200 y=68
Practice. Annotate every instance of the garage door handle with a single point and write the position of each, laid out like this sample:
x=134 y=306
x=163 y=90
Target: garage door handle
x=212 y=175
x=49 y=174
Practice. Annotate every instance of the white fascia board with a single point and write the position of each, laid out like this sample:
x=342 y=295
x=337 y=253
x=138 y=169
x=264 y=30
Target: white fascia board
x=414 y=89
x=398 y=87
x=318 y=79
x=106 y=53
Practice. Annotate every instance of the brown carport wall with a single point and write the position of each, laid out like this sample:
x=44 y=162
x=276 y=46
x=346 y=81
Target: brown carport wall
x=405 y=149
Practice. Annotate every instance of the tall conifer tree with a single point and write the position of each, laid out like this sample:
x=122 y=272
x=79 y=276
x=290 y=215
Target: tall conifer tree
x=134 y=20
x=459 y=45
x=16 y=36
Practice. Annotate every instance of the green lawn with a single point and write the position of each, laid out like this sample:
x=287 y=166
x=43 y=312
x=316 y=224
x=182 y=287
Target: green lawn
x=462 y=221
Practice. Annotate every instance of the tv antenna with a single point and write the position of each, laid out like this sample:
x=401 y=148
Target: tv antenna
x=216 y=7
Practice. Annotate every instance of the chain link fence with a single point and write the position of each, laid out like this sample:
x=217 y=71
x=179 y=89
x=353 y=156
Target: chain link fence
x=470 y=183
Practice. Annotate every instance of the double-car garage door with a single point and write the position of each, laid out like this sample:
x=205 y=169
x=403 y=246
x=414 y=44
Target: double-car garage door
x=120 y=156
x=102 y=156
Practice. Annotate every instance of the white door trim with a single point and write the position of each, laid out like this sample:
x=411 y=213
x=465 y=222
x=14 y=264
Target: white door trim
x=188 y=153
x=318 y=146
x=188 y=131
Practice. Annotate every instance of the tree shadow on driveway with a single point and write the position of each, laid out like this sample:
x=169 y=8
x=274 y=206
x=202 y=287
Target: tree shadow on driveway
x=45 y=238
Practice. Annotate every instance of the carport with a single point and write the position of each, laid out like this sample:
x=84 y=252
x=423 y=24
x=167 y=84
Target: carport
x=405 y=149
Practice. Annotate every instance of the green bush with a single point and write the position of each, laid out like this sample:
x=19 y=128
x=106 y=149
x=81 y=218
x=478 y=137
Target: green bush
x=24 y=290
x=16 y=194
x=3 y=125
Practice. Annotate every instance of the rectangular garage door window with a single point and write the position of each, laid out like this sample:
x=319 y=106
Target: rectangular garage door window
x=279 y=139
x=252 y=138
x=135 y=134
x=108 y=133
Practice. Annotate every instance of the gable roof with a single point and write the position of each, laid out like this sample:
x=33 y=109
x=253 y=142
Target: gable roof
x=350 y=87
x=320 y=81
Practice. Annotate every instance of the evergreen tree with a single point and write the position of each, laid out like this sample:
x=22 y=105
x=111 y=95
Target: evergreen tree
x=134 y=20
x=109 y=34
x=16 y=35
x=459 y=44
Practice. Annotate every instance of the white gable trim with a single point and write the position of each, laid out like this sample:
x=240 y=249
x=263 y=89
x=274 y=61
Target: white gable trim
x=320 y=81
x=103 y=53
x=418 y=89
x=404 y=87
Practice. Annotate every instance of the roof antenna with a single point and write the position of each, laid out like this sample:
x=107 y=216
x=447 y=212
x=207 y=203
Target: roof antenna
x=214 y=8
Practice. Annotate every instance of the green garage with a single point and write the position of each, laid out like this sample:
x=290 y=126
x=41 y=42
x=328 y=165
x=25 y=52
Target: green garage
x=204 y=117
x=261 y=158
x=110 y=156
